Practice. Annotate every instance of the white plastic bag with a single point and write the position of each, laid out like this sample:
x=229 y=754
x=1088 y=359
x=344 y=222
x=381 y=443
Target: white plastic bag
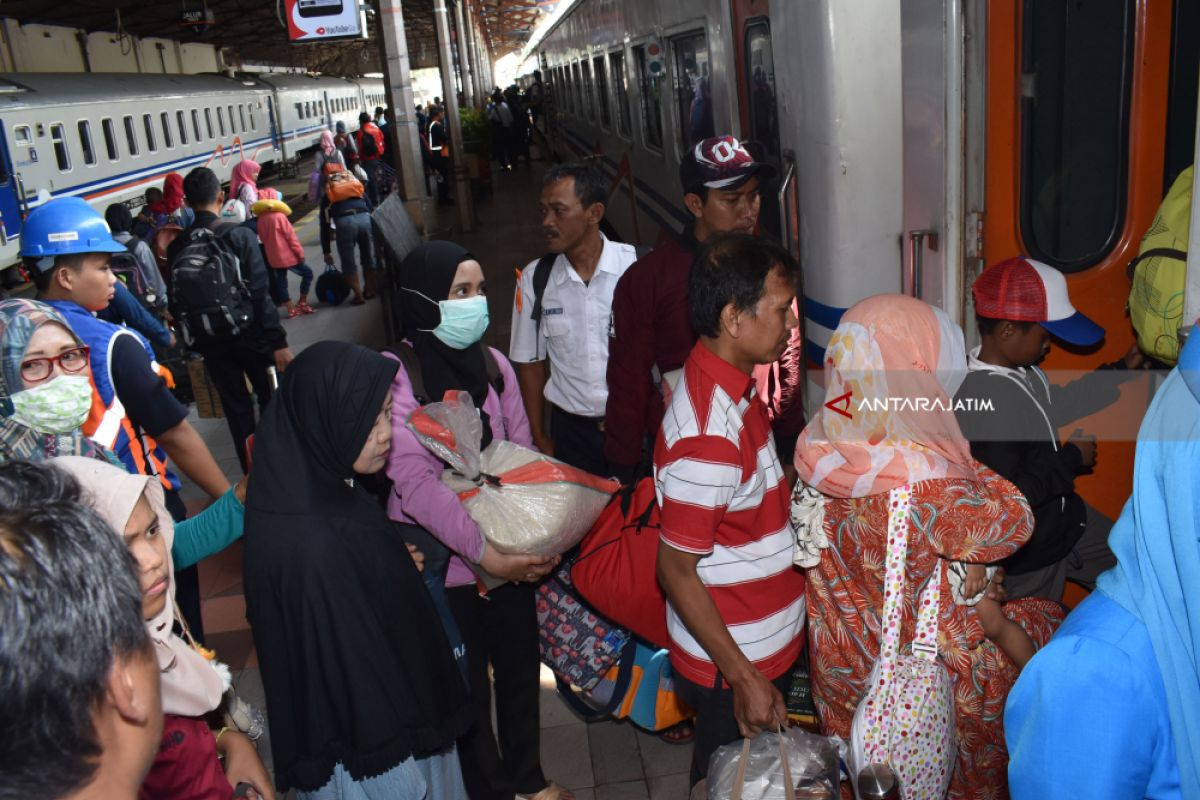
x=524 y=503
x=812 y=766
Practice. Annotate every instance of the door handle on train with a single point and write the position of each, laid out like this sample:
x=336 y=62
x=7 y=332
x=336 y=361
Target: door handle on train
x=789 y=175
x=911 y=278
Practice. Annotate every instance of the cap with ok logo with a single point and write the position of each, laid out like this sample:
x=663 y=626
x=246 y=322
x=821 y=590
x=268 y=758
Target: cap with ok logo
x=721 y=162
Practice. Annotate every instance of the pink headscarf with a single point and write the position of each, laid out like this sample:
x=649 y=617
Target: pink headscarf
x=892 y=366
x=327 y=145
x=245 y=173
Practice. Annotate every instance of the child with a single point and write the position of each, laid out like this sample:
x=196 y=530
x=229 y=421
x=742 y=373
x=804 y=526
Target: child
x=1003 y=632
x=1011 y=414
x=283 y=251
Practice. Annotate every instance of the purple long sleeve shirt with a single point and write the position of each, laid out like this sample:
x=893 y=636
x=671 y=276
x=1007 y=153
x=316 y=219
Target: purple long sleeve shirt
x=420 y=497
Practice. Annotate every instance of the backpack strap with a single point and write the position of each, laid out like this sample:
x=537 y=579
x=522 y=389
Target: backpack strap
x=642 y=250
x=1154 y=252
x=494 y=375
x=541 y=277
x=412 y=365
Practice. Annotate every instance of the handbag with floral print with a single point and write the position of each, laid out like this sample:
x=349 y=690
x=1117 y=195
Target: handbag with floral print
x=906 y=718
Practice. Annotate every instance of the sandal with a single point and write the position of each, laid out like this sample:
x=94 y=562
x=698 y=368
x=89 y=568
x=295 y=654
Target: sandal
x=552 y=792
x=683 y=733
x=294 y=311
x=305 y=308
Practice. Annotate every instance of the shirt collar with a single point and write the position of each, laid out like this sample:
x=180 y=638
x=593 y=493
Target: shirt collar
x=975 y=365
x=732 y=380
x=608 y=262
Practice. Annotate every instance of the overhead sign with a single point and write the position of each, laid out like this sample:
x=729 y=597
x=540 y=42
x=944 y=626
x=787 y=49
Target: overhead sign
x=322 y=20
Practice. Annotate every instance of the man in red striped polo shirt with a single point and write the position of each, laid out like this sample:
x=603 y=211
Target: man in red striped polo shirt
x=735 y=609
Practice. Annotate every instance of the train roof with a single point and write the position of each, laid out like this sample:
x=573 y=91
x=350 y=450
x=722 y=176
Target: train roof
x=282 y=80
x=33 y=89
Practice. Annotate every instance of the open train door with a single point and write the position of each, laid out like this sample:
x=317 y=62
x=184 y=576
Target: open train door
x=943 y=73
x=11 y=207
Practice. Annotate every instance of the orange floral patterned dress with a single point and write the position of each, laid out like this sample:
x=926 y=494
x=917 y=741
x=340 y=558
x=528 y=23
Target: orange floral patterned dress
x=961 y=521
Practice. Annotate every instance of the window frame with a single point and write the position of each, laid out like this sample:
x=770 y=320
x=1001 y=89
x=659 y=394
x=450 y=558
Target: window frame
x=620 y=95
x=604 y=115
x=27 y=140
x=671 y=54
x=181 y=123
x=221 y=121
x=131 y=139
x=196 y=125
x=109 y=129
x=642 y=60
x=164 y=118
x=148 y=127
x=83 y=129
x=60 y=146
x=208 y=122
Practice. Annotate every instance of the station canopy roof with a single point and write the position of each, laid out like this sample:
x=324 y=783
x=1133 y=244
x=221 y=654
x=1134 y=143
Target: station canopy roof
x=253 y=31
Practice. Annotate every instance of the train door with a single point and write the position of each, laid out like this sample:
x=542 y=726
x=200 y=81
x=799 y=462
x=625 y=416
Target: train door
x=274 y=126
x=10 y=203
x=758 y=110
x=939 y=141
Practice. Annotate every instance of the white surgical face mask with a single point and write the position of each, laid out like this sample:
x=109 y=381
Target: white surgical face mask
x=58 y=406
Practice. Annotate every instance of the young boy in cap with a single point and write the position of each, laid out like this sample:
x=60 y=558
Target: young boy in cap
x=1012 y=415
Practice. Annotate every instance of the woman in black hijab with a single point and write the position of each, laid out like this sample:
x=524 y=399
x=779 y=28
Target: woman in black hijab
x=444 y=308
x=363 y=698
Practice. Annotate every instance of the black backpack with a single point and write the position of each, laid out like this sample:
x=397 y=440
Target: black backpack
x=208 y=296
x=412 y=365
x=370 y=147
x=332 y=287
x=125 y=267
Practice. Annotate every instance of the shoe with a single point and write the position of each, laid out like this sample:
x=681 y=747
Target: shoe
x=305 y=308
x=294 y=311
x=246 y=718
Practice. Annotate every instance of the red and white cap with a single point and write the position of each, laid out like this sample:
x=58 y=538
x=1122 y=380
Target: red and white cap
x=721 y=162
x=1024 y=290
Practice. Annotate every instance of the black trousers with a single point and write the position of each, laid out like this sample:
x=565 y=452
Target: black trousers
x=501 y=630
x=578 y=441
x=715 y=724
x=228 y=369
x=187 y=580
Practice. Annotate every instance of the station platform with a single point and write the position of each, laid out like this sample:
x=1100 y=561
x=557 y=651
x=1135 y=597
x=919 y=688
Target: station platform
x=597 y=761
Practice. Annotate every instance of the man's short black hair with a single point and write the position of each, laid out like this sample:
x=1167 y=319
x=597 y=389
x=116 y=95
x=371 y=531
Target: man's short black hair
x=987 y=325
x=363 y=116
x=43 y=278
x=69 y=602
x=590 y=186
x=201 y=187
x=732 y=268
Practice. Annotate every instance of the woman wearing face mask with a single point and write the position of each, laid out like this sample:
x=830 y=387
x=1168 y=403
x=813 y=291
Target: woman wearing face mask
x=362 y=695
x=45 y=396
x=444 y=307
x=186 y=767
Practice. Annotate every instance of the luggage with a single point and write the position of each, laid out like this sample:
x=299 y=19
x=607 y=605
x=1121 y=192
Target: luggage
x=332 y=287
x=208 y=297
x=776 y=766
x=1158 y=274
x=577 y=644
x=125 y=266
x=340 y=183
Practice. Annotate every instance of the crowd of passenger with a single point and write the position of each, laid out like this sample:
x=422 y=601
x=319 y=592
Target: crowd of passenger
x=390 y=671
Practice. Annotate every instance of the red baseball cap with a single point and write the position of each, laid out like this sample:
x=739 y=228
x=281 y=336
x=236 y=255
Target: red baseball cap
x=1024 y=290
x=721 y=162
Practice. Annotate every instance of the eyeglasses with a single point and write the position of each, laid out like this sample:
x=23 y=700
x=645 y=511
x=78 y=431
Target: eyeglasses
x=74 y=360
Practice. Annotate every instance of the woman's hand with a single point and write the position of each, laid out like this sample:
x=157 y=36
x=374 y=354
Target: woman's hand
x=516 y=568
x=239 y=489
x=417 y=556
x=242 y=764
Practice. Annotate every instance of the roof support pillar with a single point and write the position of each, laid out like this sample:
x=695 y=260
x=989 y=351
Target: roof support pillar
x=464 y=62
x=462 y=183
x=405 y=136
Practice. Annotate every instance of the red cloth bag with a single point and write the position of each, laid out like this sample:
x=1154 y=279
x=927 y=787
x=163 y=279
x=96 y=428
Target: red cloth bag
x=616 y=568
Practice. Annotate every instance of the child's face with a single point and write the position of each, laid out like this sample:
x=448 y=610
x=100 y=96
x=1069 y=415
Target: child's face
x=1025 y=345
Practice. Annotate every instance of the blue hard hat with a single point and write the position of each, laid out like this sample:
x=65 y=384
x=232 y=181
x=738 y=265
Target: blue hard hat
x=64 y=226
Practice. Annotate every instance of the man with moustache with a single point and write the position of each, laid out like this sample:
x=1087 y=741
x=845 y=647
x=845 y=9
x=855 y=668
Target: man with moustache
x=560 y=325
x=651 y=333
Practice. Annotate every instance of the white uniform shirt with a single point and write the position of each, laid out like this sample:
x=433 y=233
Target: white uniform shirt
x=574 y=330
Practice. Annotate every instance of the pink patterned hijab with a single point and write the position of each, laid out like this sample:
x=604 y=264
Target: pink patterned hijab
x=891 y=370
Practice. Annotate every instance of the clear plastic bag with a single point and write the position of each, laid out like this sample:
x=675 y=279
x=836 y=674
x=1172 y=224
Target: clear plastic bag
x=524 y=503
x=812 y=765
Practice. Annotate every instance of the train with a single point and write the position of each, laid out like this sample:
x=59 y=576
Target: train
x=915 y=142
x=107 y=137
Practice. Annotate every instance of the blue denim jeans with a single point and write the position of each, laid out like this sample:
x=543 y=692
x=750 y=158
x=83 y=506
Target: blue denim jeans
x=351 y=231
x=279 y=282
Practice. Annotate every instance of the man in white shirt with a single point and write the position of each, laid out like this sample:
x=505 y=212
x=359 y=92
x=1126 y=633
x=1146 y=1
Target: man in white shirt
x=561 y=317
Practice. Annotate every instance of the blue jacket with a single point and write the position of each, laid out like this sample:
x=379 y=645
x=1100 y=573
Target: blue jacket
x=124 y=309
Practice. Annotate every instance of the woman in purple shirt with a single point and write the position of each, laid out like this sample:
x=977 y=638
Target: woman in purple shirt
x=444 y=308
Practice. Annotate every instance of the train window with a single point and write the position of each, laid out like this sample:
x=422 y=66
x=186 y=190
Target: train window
x=760 y=77
x=181 y=121
x=589 y=97
x=148 y=124
x=1078 y=60
x=131 y=136
x=602 y=90
x=221 y=121
x=165 y=120
x=23 y=135
x=242 y=116
x=616 y=66
x=208 y=121
x=196 y=125
x=651 y=92
x=85 y=139
x=110 y=138
x=250 y=114
x=580 y=100
x=58 y=137
x=693 y=95
x=232 y=126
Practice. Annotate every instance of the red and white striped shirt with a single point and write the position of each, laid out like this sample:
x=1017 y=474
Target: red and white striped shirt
x=723 y=495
